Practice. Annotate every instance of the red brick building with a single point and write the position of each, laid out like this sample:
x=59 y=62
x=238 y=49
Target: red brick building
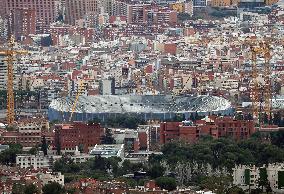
x=29 y=133
x=143 y=140
x=26 y=139
x=170 y=131
x=214 y=126
x=237 y=129
x=24 y=22
x=46 y=11
x=78 y=134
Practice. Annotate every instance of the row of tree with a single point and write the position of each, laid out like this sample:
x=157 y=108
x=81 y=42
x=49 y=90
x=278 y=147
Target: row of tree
x=50 y=188
x=120 y=120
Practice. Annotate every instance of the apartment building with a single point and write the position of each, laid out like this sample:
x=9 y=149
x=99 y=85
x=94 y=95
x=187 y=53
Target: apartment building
x=33 y=161
x=248 y=177
x=214 y=126
x=79 y=135
x=29 y=134
x=46 y=12
x=77 y=9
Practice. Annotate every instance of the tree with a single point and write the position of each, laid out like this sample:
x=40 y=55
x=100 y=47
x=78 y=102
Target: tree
x=239 y=116
x=94 y=120
x=9 y=156
x=167 y=183
x=235 y=190
x=33 y=151
x=265 y=118
x=277 y=118
x=31 y=189
x=108 y=138
x=44 y=145
x=277 y=138
x=263 y=181
x=18 y=188
x=219 y=184
x=52 y=188
x=81 y=148
x=156 y=171
x=66 y=165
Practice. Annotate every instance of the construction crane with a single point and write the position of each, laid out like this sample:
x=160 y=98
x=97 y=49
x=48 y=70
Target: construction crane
x=80 y=88
x=10 y=53
x=264 y=51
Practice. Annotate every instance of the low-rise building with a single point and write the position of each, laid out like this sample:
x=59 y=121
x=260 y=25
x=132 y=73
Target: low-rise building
x=50 y=177
x=106 y=151
x=214 y=126
x=35 y=161
x=29 y=133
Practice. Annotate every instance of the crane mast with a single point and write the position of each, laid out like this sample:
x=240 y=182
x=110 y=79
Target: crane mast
x=263 y=50
x=10 y=53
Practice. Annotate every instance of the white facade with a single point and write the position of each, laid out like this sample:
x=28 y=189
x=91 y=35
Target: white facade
x=241 y=173
x=107 y=87
x=33 y=127
x=107 y=151
x=272 y=173
x=32 y=161
x=50 y=177
x=240 y=180
x=35 y=161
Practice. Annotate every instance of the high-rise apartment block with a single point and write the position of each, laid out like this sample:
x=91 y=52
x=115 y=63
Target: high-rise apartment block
x=24 y=22
x=3 y=74
x=45 y=11
x=77 y=9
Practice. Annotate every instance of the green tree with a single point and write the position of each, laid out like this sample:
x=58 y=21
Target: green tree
x=66 y=165
x=53 y=188
x=277 y=118
x=9 y=156
x=277 y=138
x=263 y=181
x=31 y=189
x=108 y=138
x=167 y=183
x=218 y=184
x=33 y=151
x=156 y=171
x=44 y=145
x=18 y=188
x=81 y=148
x=235 y=190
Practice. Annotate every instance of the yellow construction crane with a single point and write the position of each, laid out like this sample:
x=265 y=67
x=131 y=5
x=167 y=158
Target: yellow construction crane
x=10 y=53
x=80 y=88
x=264 y=51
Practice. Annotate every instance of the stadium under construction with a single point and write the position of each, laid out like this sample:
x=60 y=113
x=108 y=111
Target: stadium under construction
x=147 y=107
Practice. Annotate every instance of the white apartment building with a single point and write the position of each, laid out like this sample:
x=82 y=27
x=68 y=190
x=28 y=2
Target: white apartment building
x=247 y=177
x=32 y=161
